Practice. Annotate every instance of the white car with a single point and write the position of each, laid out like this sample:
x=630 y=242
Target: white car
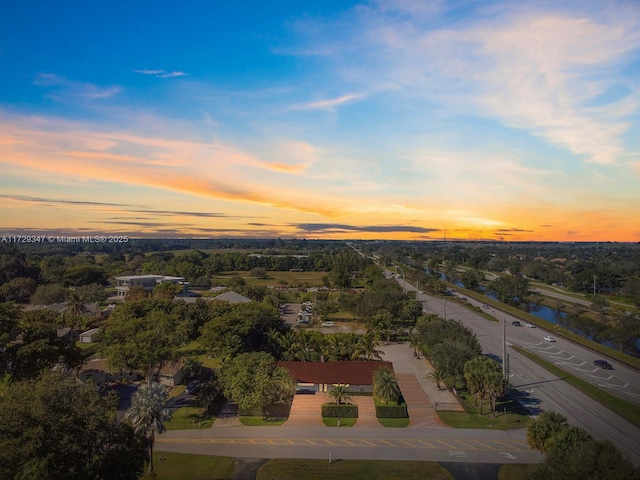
x=327 y=324
x=530 y=325
x=549 y=339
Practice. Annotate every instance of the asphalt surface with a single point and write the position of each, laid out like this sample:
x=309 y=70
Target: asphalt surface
x=424 y=444
x=549 y=391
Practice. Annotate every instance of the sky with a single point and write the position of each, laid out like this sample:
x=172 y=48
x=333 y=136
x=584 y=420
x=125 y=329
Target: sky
x=406 y=119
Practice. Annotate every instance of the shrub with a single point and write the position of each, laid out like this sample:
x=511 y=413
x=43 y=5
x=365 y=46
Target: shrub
x=391 y=411
x=333 y=410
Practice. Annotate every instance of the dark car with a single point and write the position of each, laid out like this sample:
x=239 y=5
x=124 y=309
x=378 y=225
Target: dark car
x=516 y=323
x=193 y=387
x=603 y=364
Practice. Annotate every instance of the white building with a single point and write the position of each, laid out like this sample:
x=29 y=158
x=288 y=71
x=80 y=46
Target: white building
x=148 y=282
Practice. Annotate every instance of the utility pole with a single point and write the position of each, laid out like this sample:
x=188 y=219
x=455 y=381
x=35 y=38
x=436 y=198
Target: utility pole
x=594 y=285
x=504 y=347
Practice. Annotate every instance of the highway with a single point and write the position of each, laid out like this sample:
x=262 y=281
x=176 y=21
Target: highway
x=551 y=392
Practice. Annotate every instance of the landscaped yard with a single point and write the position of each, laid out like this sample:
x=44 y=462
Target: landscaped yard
x=181 y=466
x=516 y=416
x=292 y=469
x=277 y=279
x=187 y=418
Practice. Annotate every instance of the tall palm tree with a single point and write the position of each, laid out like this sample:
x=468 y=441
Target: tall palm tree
x=496 y=387
x=340 y=393
x=148 y=413
x=385 y=386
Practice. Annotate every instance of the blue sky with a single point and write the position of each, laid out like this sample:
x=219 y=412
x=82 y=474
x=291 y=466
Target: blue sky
x=382 y=119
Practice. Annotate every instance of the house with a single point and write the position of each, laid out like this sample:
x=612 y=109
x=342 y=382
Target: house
x=99 y=372
x=90 y=336
x=232 y=297
x=320 y=376
x=148 y=282
x=171 y=375
x=67 y=333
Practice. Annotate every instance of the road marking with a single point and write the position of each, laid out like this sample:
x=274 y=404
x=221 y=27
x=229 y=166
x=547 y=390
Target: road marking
x=388 y=443
x=445 y=443
x=412 y=445
x=508 y=455
x=427 y=444
x=368 y=442
x=457 y=453
x=350 y=443
x=467 y=445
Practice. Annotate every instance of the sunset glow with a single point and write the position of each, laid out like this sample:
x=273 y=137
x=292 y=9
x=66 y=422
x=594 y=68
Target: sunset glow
x=383 y=119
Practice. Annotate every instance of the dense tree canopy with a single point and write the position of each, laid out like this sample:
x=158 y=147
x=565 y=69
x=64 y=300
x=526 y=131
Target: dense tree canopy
x=56 y=428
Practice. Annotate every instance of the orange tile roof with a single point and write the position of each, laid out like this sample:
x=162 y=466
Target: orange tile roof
x=354 y=373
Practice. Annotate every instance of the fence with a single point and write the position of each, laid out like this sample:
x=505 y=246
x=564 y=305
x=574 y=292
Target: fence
x=448 y=407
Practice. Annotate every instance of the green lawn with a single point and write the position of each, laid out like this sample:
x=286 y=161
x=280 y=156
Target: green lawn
x=259 y=421
x=188 y=418
x=394 y=422
x=275 y=279
x=291 y=469
x=344 y=422
x=177 y=390
x=182 y=466
x=196 y=350
x=516 y=416
x=625 y=409
x=516 y=471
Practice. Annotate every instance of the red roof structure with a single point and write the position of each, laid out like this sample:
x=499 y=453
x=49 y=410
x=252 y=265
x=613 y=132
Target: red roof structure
x=353 y=373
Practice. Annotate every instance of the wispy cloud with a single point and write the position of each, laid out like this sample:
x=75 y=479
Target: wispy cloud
x=339 y=227
x=162 y=73
x=65 y=88
x=329 y=104
x=531 y=66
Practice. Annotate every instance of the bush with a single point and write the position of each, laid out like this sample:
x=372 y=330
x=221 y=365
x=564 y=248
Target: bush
x=333 y=410
x=391 y=411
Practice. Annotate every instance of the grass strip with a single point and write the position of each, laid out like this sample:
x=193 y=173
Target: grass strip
x=625 y=409
x=394 y=422
x=344 y=422
x=258 y=421
x=295 y=469
x=183 y=466
x=517 y=471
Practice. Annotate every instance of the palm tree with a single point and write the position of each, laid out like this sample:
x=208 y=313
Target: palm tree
x=340 y=393
x=366 y=348
x=385 y=386
x=496 y=387
x=437 y=377
x=148 y=414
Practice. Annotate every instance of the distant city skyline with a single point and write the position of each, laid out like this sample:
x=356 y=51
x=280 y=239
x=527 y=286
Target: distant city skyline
x=385 y=119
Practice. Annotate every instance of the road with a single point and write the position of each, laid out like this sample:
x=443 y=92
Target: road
x=424 y=444
x=551 y=392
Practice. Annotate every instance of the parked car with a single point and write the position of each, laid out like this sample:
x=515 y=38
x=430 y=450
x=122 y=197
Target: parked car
x=485 y=306
x=516 y=323
x=327 y=324
x=549 y=338
x=603 y=364
x=529 y=325
x=193 y=387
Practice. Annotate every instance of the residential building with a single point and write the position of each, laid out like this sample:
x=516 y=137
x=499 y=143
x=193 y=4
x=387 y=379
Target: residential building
x=320 y=376
x=148 y=282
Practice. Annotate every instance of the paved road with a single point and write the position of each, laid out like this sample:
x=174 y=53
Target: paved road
x=433 y=444
x=553 y=393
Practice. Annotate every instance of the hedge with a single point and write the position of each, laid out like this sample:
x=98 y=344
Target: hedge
x=391 y=411
x=333 y=410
